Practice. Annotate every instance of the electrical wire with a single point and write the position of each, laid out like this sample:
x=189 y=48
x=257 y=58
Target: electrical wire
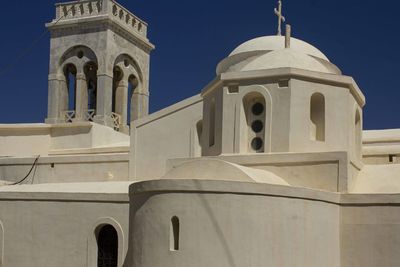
x=26 y=51
x=11 y=65
x=29 y=173
x=34 y=174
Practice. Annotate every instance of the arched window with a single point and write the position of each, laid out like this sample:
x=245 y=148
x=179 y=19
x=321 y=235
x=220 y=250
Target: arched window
x=255 y=114
x=211 y=134
x=317 y=117
x=107 y=245
x=358 y=133
x=174 y=234
x=91 y=79
x=70 y=77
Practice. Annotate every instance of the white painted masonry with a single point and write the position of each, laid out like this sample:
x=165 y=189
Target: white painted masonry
x=267 y=166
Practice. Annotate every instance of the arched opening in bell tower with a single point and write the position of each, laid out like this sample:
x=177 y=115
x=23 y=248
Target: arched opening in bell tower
x=133 y=84
x=78 y=88
x=70 y=77
x=129 y=102
x=90 y=71
x=117 y=78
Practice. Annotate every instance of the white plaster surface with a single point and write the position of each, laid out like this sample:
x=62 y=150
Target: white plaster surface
x=67 y=168
x=169 y=133
x=269 y=52
x=378 y=179
x=319 y=191
x=271 y=43
x=205 y=169
x=229 y=224
x=94 y=187
x=53 y=229
x=40 y=139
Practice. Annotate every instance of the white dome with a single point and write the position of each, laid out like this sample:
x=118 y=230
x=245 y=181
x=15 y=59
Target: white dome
x=215 y=169
x=269 y=52
x=272 y=43
x=286 y=58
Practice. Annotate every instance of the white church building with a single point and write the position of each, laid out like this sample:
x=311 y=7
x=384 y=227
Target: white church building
x=267 y=166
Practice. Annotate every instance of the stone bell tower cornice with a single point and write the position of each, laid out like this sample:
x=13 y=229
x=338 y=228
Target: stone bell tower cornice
x=101 y=12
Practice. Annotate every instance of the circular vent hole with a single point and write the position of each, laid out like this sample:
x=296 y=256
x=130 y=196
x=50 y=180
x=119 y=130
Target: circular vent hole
x=257 y=109
x=257 y=126
x=257 y=143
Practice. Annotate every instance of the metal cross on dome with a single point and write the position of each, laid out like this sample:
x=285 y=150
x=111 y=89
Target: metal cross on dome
x=281 y=18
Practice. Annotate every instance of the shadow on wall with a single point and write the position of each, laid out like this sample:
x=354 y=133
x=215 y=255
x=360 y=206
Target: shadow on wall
x=23 y=132
x=136 y=203
x=60 y=132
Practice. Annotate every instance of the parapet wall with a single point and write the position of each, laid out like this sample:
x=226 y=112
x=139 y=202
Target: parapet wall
x=228 y=224
x=74 y=10
x=79 y=152
x=245 y=224
x=24 y=140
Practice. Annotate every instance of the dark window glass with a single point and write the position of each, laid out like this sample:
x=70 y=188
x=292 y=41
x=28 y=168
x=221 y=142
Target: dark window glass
x=107 y=243
x=174 y=242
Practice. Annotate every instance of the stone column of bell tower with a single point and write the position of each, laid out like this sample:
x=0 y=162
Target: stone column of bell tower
x=96 y=47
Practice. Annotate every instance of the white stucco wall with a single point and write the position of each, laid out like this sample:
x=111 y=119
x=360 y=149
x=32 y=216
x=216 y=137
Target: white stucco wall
x=64 y=169
x=169 y=133
x=338 y=109
x=322 y=171
x=370 y=234
x=56 y=228
x=241 y=225
x=22 y=140
x=247 y=224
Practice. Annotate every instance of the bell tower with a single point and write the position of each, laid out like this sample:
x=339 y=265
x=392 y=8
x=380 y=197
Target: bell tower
x=99 y=65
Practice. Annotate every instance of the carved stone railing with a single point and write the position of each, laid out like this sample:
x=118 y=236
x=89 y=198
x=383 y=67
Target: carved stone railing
x=128 y=19
x=78 y=9
x=116 y=120
x=89 y=114
x=69 y=115
x=110 y=8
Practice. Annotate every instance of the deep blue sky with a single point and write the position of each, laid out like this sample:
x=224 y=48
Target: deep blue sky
x=360 y=36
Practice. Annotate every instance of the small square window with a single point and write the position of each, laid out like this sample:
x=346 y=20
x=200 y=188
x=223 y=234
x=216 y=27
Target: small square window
x=283 y=84
x=233 y=89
